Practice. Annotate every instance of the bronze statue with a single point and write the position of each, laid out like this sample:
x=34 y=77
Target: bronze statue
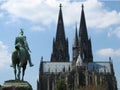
x=20 y=55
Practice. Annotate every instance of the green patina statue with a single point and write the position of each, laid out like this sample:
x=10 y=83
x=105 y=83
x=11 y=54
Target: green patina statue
x=21 y=55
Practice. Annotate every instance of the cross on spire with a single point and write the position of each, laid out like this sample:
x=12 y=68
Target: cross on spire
x=82 y=6
x=60 y=5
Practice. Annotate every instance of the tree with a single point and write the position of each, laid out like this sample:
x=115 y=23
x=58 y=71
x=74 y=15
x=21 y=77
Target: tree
x=61 y=85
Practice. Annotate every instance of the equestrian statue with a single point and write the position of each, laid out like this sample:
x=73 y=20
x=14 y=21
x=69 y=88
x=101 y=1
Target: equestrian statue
x=20 y=56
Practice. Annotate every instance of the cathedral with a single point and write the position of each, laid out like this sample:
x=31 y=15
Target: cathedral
x=80 y=73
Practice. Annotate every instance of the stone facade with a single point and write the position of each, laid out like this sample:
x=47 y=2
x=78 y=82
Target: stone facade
x=82 y=71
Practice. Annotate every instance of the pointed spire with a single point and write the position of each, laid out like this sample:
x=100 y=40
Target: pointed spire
x=82 y=6
x=84 y=42
x=83 y=28
x=60 y=44
x=60 y=34
x=76 y=38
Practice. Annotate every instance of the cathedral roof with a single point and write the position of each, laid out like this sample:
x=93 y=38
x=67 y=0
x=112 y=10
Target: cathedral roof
x=55 y=67
x=103 y=67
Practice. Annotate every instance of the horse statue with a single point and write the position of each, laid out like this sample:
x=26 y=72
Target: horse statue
x=21 y=55
x=19 y=60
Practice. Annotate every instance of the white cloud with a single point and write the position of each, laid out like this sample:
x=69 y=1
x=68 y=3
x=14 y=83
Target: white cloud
x=4 y=56
x=109 y=52
x=46 y=12
x=34 y=10
x=115 y=32
x=1 y=15
x=37 y=28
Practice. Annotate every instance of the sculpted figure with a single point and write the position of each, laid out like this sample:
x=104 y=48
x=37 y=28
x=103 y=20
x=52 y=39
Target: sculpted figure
x=21 y=39
x=21 y=55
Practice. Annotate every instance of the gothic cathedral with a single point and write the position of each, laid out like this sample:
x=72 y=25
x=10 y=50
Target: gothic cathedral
x=80 y=73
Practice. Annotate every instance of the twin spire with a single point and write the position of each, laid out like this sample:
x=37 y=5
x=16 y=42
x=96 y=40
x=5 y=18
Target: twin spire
x=60 y=34
x=81 y=46
x=60 y=43
x=82 y=29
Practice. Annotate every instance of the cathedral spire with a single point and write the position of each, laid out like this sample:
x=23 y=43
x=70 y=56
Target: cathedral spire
x=75 y=45
x=76 y=37
x=84 y=42
x=60 y=34
x=60 y=43
x=83 y=28
x=82 y=6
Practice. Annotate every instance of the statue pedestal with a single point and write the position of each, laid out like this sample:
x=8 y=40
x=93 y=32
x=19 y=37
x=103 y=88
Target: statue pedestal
x=16 y=85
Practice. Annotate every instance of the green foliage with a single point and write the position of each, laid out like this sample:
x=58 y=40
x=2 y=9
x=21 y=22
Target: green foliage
x=61 y=85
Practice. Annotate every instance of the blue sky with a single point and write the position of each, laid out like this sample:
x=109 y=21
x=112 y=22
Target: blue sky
x=38 y=18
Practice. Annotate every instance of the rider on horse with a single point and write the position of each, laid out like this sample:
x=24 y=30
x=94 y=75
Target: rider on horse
x=21 y=39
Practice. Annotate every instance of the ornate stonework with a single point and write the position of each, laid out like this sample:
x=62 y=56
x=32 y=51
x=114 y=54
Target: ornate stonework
x=82 y=72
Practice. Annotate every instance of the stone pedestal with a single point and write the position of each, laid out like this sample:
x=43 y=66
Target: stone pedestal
x=16 y=85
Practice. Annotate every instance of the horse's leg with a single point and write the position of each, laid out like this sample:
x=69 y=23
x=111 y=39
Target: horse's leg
x=23 y=72
x=15 y=71
x=19 y=71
